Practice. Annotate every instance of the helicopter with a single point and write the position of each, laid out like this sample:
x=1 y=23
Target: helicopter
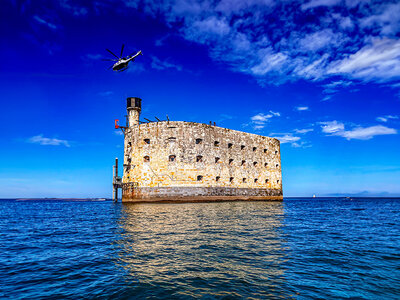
x=122 y=62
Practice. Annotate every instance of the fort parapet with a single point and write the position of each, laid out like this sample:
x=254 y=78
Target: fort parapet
x=187 y=161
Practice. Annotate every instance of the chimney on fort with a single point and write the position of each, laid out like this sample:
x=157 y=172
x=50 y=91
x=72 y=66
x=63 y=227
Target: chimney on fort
x=133 y=106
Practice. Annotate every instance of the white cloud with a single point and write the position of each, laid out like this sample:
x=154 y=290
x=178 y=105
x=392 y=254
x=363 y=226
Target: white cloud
x=289 y=138
x=44 y=22
x=386 y=118
x=302 y=131
x=378 y=61
x=332 y=126
x=366 y=133
x=41 y=140
x=316 y=3
x=360 y=133
x=352 y=39
x=161 y=65
x=260 y=119
x=106 y=93
x=302 y=108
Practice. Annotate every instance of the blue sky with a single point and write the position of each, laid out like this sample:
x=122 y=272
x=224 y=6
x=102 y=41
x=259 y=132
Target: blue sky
x=323 y=76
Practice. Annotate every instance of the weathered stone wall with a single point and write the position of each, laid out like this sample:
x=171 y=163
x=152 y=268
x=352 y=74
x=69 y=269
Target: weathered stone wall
x=185 y=158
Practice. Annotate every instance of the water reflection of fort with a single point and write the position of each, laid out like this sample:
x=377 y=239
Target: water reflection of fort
x=193 y=248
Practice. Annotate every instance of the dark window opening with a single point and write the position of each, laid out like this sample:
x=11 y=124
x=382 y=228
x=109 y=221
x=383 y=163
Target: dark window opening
x=277 y=181
x=199 y=141
x=277 y=165
x=276 y=152
x=254 y=148
x=230 y=145
x=266 y=165
x=243 y=162
x=199 y=158
x=199 y=178
x=129 y=144
x=146 y=158
x=242 y=147
x=265 y=150
x=255 y=180
x=172 y=158
x=217 y=178
x=216 y=144
x=230 y=179
x=255 y=163
x=147 y=141
x=230 y=161
x=216 y=159
x=266 y=180
x=172 y=139
x=244 y=180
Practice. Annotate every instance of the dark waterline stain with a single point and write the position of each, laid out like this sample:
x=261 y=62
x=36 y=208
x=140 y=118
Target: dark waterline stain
x=300 y=248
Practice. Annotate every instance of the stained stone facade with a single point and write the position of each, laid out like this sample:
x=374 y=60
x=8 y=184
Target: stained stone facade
x=186 y=161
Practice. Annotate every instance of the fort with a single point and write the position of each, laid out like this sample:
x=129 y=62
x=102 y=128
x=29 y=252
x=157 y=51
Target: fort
x=187 y=161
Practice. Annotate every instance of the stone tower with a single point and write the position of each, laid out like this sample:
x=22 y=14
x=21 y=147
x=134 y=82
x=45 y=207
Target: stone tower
x=134 y=106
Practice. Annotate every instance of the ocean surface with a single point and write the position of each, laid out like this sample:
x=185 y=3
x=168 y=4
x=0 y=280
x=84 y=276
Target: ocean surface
x=297 y=249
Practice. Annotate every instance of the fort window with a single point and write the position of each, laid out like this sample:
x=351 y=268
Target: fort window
x=199 y=141
x=254 y=148
x=172 y=158
x=244 y=180
x=216 y=144
x=172 y=139
x=255 y=180
x=216 y=159
x=129 y=144
x=129 y=161
x=255 y=163
x=217 y=178
x=276 y=151
x=147 y=141
x=266 y=165
x=146 y=158
x=230 y=145
x=199 y=158
x=265 y=150
x=199 y=178
x=243 y=162
x=242 y=147
x=230 y=179
x=277 y=165
x=230 y=161
x=277 y=181
x=266 y=180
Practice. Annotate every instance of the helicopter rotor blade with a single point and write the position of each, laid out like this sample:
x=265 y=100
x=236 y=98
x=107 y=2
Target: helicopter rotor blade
x=112 y=53
x=109 y=59
x=122 y=50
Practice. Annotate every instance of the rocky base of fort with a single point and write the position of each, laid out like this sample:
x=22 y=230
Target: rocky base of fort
x=199 y=194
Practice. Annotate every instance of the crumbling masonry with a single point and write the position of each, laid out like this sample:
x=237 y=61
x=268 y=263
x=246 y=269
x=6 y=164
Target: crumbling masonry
x=186 y=161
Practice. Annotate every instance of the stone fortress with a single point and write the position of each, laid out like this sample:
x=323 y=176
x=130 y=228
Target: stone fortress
x=187 y=161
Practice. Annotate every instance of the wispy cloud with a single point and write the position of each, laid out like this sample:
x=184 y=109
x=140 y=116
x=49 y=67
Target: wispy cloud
x=359 y=133
x=106 y=93
x=259 y=120
x=92 y=56
x=386 y=118
x=41 y=140
x=303 y=131
x=302 y=108
x=329 y=45
x=44 y=22
x=158 y=64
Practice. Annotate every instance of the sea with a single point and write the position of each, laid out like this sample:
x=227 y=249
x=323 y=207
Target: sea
x=301 y=248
